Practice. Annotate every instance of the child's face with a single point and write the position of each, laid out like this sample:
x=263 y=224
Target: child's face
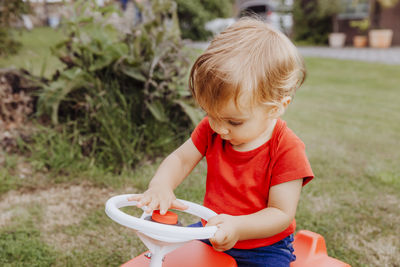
x=245 y=128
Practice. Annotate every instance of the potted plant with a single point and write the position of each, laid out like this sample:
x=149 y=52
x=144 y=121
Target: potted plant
x=360 y=40
x=378 y=37
x=337 y=39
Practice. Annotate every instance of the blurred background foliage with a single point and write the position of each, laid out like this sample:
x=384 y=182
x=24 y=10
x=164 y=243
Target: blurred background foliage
x=195 y=13
x=117 y=98
x=313 y=20
x=120 y=97
x=10 y=10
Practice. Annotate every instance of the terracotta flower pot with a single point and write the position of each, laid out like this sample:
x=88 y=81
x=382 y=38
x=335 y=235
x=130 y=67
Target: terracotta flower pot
x=360 y=41
x=380 y=38
x=337 y=39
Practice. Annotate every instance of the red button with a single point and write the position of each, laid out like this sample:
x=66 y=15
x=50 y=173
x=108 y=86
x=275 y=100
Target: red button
x=168 y=218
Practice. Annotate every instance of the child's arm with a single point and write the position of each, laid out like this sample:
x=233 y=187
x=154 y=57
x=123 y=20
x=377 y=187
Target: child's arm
x=279 y=214
x=172 y=171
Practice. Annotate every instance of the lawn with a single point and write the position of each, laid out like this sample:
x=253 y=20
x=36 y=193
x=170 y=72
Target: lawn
x=347 y=114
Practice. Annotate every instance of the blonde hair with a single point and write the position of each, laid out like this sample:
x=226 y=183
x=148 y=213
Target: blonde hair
x=250 y=59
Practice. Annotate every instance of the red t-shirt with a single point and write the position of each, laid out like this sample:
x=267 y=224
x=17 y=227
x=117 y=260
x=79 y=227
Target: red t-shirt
x=238 y=182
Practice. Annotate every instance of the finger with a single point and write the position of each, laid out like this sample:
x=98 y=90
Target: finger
x=145 y=201
x=218 y=249
x=164 y=206
x=135 y=197
x=218 y=238
x=217 y=246
x=154 y=204
x=214 y=221
x=176 y=204
x=220 y=246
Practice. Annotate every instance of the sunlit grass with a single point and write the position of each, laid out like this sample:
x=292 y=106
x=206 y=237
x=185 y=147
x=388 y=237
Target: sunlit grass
x=348 y=115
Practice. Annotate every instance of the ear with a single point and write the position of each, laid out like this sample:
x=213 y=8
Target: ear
x=279 y=111
x=286 y=101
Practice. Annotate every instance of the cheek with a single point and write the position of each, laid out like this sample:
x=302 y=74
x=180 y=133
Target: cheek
x=218 y=126
x=212 y=124
x=240 y=133
x=248 y=131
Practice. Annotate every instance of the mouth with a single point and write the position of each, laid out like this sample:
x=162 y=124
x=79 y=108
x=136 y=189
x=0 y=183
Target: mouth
x=230 y=140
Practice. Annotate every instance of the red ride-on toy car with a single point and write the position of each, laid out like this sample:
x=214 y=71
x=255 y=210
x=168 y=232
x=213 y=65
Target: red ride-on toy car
x=176 y=246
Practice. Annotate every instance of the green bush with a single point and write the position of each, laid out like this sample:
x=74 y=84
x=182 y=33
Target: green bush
x=8 y=45
x=195 y=13
x=57 y=150
x=9 y=10
x=311 y=25
x=123 y=94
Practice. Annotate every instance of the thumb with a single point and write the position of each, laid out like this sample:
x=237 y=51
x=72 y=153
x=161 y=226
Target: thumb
x=218 y=239
x=136 y=197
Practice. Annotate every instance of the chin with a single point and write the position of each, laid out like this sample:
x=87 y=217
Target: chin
x=235 y=143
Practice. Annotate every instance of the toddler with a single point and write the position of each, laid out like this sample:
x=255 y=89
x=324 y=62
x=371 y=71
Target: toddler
x=256 y=166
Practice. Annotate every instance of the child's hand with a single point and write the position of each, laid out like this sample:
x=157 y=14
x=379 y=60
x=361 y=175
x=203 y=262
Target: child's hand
x=227 y=235
x=158 y=197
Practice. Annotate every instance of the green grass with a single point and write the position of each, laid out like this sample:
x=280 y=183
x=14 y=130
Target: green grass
x=7 y=180
x=347 y=114
x=21 y=244
x=35 y=55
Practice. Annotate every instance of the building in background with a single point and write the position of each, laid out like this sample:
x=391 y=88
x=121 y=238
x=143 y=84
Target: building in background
x=378 y=16
x=275 y=12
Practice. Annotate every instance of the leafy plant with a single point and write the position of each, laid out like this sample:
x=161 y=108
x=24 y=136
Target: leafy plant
x=330 y=8
x=56 y=150
x=311 y=25
x=361 y=25
x=124 y=93
x=195 y=13
x=10 y=10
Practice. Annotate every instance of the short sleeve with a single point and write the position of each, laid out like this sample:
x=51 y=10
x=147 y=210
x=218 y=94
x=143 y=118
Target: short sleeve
x=201 y=135
x=291 y=161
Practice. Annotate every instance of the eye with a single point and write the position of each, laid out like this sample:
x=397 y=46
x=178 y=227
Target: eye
x=235 y=123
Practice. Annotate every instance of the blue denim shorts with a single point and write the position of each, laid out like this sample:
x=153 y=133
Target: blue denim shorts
x=279 y=254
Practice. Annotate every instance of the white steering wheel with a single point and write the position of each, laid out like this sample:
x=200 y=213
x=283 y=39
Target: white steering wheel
x=158 y=231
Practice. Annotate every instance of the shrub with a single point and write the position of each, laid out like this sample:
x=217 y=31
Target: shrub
x=311 y=25
x=123 y=94
x=8 y=45
x=10 y=10
x=195 y=13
